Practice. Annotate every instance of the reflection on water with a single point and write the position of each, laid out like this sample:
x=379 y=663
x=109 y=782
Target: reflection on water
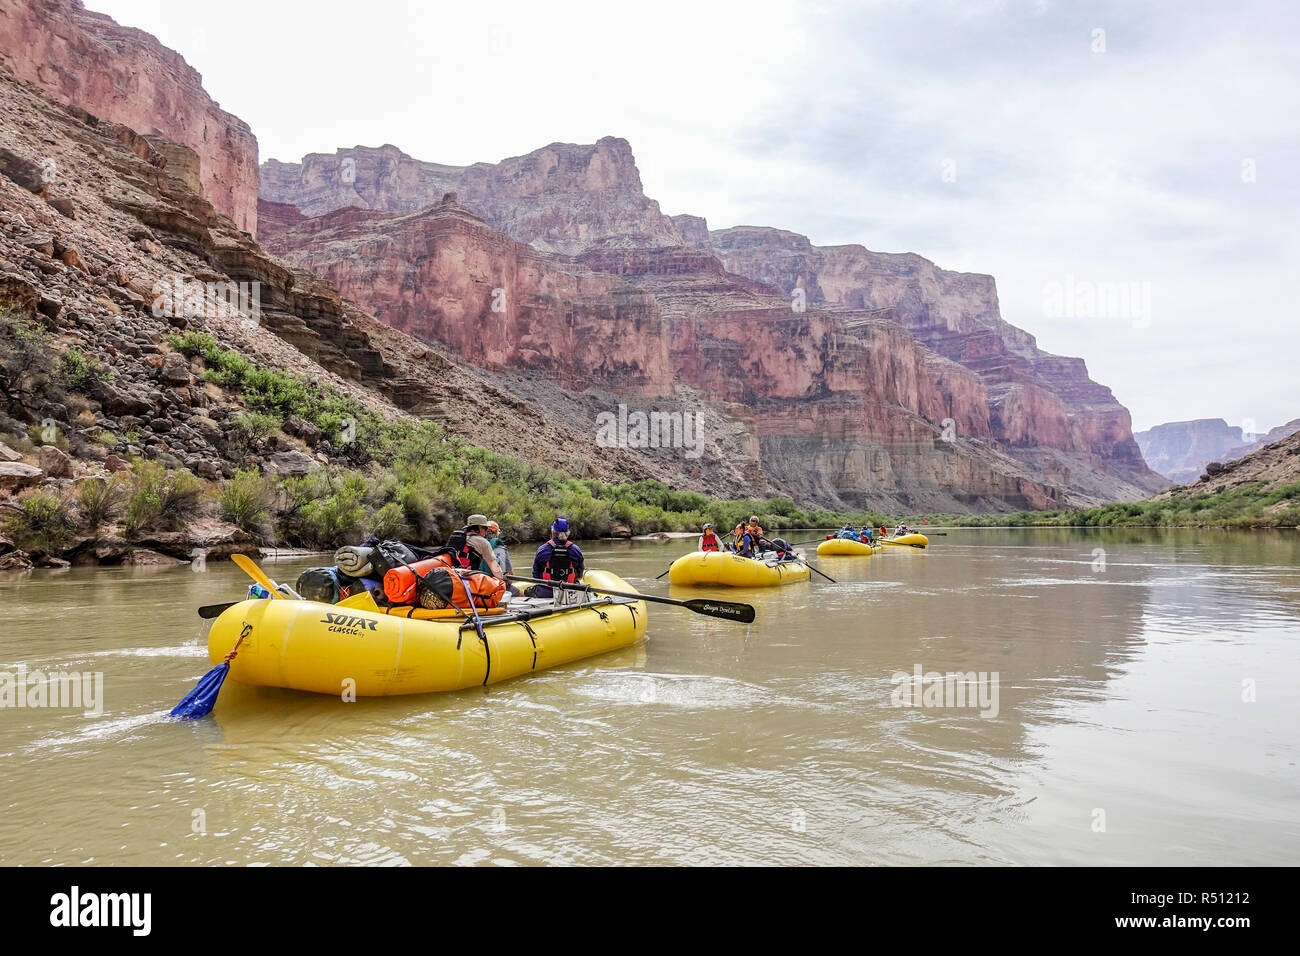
x=1146 y=700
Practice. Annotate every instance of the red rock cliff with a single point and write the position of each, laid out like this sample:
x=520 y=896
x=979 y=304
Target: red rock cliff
x=847 y=408
x=889 y=353
x=125 y=75
x=1040 y=404
x=563 y=197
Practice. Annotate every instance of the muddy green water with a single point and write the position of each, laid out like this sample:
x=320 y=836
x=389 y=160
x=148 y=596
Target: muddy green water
x=1146 y=710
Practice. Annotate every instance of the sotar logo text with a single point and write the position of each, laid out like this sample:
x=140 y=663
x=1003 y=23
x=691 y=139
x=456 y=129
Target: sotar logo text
x=103 y=909
x=348 y=624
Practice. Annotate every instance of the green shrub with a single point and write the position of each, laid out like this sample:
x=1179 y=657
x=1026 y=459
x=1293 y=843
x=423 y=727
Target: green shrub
x=251 y=428
x=24 y=353
x=100 y=501
x=389 y=522
x=325 y=508
x=246 y=500
x=40 y=521
x=78 y=371
x=160 y=499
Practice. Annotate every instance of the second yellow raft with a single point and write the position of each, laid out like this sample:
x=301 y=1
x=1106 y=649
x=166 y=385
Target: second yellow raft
x=913 y=540
x=704 y=568
x=844 y=547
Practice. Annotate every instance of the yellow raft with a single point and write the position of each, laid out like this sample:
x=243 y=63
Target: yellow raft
x=304 y=645
x=843 y=547
x=703 y=568
x=912 y=540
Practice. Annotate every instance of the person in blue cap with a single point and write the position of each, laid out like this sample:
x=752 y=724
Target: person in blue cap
x=558 y=559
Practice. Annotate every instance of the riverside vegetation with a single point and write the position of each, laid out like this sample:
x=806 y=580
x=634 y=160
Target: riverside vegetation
x=409 y=479
x=397 y=479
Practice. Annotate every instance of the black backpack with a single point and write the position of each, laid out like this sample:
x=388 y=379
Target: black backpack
x=388 y=555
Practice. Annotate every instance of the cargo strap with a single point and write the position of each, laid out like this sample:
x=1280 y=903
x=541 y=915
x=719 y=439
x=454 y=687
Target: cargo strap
x=478 y=626
x=532 y=636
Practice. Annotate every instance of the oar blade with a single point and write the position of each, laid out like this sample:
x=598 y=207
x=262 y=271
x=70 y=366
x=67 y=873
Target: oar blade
x=209 y=611
x=200 y=701
x=740 y=613
x=249 y=567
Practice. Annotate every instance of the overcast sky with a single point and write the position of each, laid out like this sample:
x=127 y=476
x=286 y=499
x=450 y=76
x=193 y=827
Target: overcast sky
x=1064 y=148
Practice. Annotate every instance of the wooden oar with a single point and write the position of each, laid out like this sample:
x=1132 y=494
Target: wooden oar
x=727 y=610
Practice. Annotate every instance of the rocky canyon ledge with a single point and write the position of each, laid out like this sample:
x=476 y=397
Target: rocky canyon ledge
x=861 y=378
x=125 y=75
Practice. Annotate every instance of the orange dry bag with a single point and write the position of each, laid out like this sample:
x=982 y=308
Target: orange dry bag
x=400 y=583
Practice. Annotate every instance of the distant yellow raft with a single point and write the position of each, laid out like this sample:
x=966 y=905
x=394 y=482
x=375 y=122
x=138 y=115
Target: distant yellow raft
x=844 y=547
x=304 y=645
x=908 y=540
x=703 y=568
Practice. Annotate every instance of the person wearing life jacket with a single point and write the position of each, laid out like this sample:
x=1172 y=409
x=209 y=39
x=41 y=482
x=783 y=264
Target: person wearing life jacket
x=868 y=537
x=558 y=559
x=708 y=540
x=751 y=540
x=469 y=547
x=499 y=550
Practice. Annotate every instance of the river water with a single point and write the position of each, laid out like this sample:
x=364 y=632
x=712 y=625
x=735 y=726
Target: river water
x=1145 y=710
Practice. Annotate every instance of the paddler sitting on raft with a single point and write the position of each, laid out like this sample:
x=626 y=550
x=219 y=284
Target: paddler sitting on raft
x=558 y=559
x=749 y=538
x=708 y=540
x=737 y=538
x=470 y=547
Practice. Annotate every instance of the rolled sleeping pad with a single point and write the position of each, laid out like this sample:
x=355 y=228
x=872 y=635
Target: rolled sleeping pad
x=354 y=561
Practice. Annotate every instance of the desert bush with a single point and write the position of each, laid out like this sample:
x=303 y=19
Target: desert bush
x=247 y=501
x=160 y=499
x=40 y=520
x=389 y=522
x=251 y=428
x=78 y=371
x=99 y=501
